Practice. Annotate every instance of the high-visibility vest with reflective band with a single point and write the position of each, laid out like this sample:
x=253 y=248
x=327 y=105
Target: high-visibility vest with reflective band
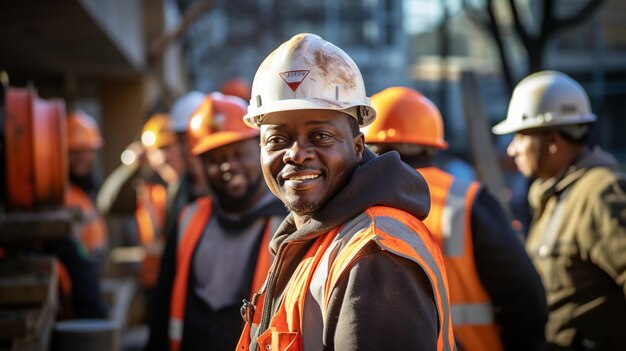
x=393 y=230
x=195 y=218
x=93 y=230
x=449 y=221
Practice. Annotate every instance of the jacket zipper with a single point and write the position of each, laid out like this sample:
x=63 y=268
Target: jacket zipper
x=269 y=292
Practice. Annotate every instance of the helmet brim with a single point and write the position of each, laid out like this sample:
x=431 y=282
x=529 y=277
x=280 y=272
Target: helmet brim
x=215 y=140
x=254 y=120
x=508 y=127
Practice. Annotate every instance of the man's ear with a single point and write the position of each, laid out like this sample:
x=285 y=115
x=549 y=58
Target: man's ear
x=553 y=137
x=359 y=146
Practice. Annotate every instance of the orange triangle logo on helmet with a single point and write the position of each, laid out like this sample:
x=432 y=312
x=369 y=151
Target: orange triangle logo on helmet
x=294 y=78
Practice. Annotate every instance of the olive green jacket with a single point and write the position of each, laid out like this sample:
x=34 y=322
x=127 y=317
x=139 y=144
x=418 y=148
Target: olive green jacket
x=577 y=241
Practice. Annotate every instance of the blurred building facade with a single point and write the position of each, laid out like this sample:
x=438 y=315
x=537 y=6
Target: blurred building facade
x=94 y=55
x=592 y=52
x=235 y=36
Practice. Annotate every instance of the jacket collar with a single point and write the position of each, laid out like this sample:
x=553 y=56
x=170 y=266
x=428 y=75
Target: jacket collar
x=380 y=180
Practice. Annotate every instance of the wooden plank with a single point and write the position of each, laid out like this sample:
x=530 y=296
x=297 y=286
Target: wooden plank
x=26 y=281
x=483 y=154
x=17 y=323
x=27 y=227
x=28 y=320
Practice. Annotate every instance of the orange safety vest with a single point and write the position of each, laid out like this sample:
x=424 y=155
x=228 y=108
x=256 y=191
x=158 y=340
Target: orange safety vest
x=449 y=221
x=150 y=217
x=193 y=226
x=150 y=211
x=393 y=230
x=93 y=230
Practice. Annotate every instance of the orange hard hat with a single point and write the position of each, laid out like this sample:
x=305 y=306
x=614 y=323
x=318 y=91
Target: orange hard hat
x=158 y=132
x=405 y=116
x=217 y=122
x=237 y=87
x=82 y=132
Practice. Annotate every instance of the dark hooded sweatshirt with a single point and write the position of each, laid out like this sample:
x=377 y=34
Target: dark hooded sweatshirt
x=213 y=326
x=382 y=301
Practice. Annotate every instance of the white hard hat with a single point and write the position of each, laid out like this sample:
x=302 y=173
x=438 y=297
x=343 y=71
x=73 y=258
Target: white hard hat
x=546 y=99
x=307 y=72
x=183 y=108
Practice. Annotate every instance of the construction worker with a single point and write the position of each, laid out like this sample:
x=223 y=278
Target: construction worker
x=355 y=268
x=84 y=141
x=159 y=203
x=498 y=301
x=221 y=251
x=577 y=237
x=80 y=254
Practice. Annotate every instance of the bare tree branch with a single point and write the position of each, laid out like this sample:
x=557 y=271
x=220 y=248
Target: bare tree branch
x=580 y=16
x=192 y=13
x=497 y=36
x=521 y=31
x=475 y=16
x=548 y=20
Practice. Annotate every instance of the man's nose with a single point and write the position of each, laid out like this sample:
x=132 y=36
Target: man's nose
x=511 y=150
x=297 y=153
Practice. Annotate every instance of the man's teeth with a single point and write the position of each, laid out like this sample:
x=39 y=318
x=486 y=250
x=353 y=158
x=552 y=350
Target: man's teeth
x=307 y=177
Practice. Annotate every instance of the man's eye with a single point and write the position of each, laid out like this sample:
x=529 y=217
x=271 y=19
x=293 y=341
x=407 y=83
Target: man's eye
x=321 y=136
x=275 y=140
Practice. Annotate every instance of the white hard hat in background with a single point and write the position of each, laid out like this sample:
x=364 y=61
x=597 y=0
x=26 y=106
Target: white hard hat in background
x=308 y=72
x=183 y=108
x=546 y=99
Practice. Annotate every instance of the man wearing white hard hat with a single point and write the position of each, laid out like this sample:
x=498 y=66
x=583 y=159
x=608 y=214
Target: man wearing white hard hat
x=355 y=268
x=577 y=238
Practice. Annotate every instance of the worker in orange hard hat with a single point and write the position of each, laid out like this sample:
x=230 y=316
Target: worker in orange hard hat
x=84 y=141
x=220 y=254
x=237 y=87
x=496 y=295
x=158 y=203
x=80 y=255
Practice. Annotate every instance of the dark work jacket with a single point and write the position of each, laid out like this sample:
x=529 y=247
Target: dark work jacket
x=204 y=328
x=508 y=276
x=384 y=299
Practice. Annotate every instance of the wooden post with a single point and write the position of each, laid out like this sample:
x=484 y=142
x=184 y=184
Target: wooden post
x=482 y=149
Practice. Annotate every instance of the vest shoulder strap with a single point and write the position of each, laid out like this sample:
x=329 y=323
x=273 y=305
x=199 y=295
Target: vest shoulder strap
x=456 y=215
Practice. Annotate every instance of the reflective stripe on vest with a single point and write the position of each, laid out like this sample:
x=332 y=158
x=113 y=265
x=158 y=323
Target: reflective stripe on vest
x=331 y=255
x=198 y=214
x=194 y=219
x=450 y=222
x=467 y=313
x=454 y=218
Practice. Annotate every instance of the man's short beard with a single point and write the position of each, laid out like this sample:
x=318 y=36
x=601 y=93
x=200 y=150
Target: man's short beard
x=303 y=208
x=229 y=202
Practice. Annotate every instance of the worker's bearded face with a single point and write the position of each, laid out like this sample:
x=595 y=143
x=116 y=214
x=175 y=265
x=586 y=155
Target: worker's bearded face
x=82 y=162
x=234 y=174
x=307 y=156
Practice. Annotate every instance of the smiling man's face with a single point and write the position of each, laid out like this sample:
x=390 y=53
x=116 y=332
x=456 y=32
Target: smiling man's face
x=307 y=156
